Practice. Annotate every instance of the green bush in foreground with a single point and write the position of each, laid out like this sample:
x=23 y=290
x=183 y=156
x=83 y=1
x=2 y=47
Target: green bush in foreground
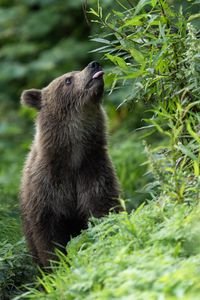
x=153 y=253
x=154 y=48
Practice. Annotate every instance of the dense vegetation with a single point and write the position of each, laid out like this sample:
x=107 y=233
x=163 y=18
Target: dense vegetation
x=150 y=51
x=153 y=253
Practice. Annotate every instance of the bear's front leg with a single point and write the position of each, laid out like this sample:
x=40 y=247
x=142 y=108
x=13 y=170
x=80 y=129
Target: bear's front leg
x=50 y=231
x=55 y=231
x=45 y=248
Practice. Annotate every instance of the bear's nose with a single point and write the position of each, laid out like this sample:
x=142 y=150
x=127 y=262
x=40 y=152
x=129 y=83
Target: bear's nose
x=94 y=65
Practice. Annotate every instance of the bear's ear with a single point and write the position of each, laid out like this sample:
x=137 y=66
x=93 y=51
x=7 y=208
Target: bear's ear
x=32 y=98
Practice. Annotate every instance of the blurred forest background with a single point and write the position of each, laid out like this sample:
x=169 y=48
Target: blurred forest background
x=40 y=40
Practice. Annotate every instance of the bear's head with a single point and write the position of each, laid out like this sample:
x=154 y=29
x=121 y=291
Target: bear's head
x=71 y=91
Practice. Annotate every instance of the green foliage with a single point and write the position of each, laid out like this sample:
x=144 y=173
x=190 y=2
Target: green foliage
x=9 y=224
x=130 y=169
x=37 y=38
x=151 y=49
x=155 y=50
x=153 y=253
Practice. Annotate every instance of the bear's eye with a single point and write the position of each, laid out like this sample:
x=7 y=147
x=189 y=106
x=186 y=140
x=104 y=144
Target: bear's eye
x=68 y=80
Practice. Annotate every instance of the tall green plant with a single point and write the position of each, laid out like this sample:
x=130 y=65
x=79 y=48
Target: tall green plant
x=156 y=53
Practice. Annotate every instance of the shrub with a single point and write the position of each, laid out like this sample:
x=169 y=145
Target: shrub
x=155 y=50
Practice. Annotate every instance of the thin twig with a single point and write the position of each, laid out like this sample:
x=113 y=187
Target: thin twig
x=84 y=7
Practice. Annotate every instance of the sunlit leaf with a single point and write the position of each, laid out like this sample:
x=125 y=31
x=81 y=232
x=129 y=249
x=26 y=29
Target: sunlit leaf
x=137 y=55
x=117 y=61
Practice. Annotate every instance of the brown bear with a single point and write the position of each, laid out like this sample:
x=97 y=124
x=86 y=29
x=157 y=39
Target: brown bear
x=68 y=175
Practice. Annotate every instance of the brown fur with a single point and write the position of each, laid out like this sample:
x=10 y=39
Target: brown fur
x=68 y=175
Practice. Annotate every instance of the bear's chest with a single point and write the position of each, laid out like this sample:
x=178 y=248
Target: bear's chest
x=80 y=139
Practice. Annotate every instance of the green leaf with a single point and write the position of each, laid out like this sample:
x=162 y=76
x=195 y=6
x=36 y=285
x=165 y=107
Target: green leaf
x=101 y=40
x=192 y=132
x=100 y=49
x=137 y=55
x=141 y=4
x=93 y=12
x=185 y=150
x=117 y=61
x=154 y=2
x=133 y=75
x=196 y=168
x=117 y=13
x=158 y=127
x=135 y=21
x=193 y=17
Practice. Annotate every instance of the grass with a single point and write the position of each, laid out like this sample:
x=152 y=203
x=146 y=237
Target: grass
x=153 y=253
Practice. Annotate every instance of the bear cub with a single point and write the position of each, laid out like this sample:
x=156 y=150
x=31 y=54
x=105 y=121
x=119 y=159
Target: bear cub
x=68 y=175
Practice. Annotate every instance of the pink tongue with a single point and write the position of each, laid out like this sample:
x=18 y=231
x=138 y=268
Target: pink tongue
x=98 y=74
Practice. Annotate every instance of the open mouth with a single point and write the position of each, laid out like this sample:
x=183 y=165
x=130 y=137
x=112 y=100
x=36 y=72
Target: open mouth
x=98 y=74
